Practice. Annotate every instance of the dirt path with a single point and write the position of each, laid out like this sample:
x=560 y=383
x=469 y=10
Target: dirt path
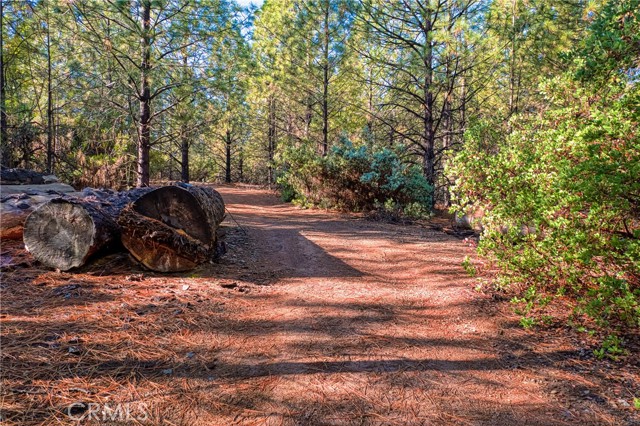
x=312 y=318
x=377 y=323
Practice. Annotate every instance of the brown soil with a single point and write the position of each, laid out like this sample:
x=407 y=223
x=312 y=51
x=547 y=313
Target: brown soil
x=311 y=318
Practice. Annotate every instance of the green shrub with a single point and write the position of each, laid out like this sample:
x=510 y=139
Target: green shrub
x=417 y=210
x=356 y=179
x=611 y=347
x=469 y=267
x=287 y=193
x=298 y=167
x=570 y=174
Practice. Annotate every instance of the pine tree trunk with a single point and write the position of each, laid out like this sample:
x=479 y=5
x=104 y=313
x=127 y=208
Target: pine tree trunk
x=4 y=143
x=271 y=137
x=241 y=165
x=325 y=83
x=144 y=126
x=184 y=149
x=184 y=135
x=227 y=177
x=50 y=117
x=428 y=159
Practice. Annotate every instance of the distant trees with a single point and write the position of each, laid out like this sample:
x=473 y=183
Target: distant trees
x=301 y=48
x=424 y=56
x=397 y=74
x=154 y=46
x=30 y=80
x=109 y=82
x=155 y=80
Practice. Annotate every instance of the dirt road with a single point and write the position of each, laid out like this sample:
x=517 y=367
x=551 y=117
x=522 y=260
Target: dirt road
x=312 y=318
x=372 y=323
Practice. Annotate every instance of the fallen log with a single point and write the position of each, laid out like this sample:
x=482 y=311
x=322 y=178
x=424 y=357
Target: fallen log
x=15 y=207
x=65 y=232
x=47 y=188
x=173 y=228
x=24 y=176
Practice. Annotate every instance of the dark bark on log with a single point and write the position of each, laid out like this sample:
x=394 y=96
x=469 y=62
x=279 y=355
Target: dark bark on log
x=65 y=232
x=15 y=207
x=173 y=228
x=31 y=189
x=24 y=176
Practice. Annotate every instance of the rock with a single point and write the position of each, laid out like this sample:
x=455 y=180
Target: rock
x=229 y=285
x=623 y=403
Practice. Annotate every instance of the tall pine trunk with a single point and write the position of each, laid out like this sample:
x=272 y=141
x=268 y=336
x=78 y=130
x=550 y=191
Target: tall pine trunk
x=325 y=82
x=227 y=178
x=184 y=149
x=447 y=143
x=513 y=89
x=271 y=136
x=144 y=126
x=6 y=149
x=241 y=165
x=428 y=160
x=184 y=135
x=50 y=117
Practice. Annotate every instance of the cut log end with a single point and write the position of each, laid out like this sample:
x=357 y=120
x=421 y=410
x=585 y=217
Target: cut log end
x=173 y=228
x=157 y=245
x=60 y=234
x=178 y=209
x=65 y=232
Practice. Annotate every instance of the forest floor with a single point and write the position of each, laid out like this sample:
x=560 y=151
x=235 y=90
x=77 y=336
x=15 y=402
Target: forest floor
x=311 y=318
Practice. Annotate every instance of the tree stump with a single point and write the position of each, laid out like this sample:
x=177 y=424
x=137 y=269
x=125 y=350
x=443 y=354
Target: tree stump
x=173 y=228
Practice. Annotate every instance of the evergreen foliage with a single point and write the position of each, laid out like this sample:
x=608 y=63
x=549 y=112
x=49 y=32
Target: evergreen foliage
x=561 y=192
x=355 y=178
